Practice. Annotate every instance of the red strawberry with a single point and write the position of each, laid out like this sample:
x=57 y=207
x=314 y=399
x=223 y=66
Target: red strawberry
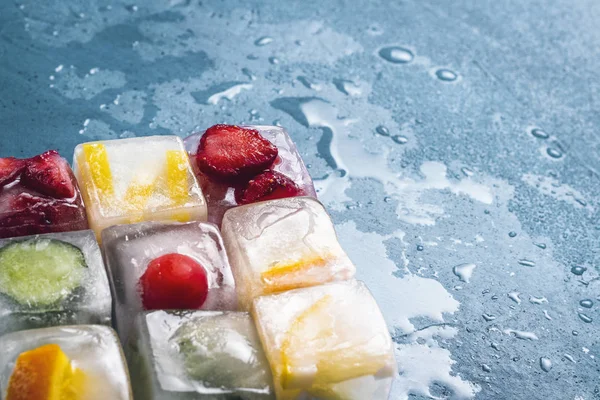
x=229 y=153
x=269 y=185
x=10 y=168
x=174 y=281
x=49 y=174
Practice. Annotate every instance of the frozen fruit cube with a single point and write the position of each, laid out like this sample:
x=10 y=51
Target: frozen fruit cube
x=282 y=244
x=198 y=355
x=39 y=195
x=222 y=196
x=139 y=179
x=130 y=250
x=59 y=363
x=52 y=279
x=328 y=341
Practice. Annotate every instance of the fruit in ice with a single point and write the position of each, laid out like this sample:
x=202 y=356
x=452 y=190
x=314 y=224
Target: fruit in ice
x=49 y=174
x=174 y=281
x=269 y=185
x=231 y=153
x=40 y=272
x=45 y=373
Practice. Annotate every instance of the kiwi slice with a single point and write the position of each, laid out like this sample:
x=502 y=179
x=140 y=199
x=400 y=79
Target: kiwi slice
x=40 y=272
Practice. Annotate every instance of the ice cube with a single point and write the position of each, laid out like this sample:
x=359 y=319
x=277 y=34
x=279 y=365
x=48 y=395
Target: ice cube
x=28 y=207
x=138 y=179
x=220 y=197
x=329 y=342
x=130 y=248
x=92 y=349
x=198 y=355
x=280 y=245
x=52 y=279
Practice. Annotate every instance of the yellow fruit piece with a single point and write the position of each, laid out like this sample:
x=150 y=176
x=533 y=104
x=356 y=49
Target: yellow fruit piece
x=45 y=373
x=137 y=196
x=315 y=353
x=177 y=176
x=96 y=158
x=282 y=275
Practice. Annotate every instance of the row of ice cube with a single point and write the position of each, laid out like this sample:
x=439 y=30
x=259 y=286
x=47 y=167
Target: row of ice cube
x=329 y=341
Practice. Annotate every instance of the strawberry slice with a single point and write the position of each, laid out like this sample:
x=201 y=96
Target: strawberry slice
x=49 y=174
x=269 y=185
x=10 y=168
x=230 y=153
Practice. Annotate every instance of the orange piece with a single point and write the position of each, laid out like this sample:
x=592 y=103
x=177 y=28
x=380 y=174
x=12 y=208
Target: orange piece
x=283 y=276
x=45 y=373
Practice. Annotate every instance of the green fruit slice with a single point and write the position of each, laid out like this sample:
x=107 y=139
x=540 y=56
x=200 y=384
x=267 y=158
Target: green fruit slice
x=39 y=272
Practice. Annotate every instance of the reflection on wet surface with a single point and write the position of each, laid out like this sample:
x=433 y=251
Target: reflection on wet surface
x=455 y=148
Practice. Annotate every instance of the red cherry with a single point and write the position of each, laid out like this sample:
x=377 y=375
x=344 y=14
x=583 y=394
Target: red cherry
x=174 y=282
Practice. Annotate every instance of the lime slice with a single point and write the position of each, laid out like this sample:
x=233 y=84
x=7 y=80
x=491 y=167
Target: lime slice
x=40 y=271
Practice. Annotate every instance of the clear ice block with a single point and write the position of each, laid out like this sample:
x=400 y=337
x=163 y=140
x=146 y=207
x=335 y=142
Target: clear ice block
x=139 y=179
x=52 y=279
x=282 y=244
x=329 y=342
x=129 y=248
x=28 y=207
x=220 y=197
x=93 y=349
x=184 y=355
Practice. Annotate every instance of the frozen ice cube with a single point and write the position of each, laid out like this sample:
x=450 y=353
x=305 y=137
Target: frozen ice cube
x=28 y=207
x=282 y=244
x=327 y=341
x=130 y=248
x=138 y=179
x=220 y=197
x=93 y=349
x=198 y=355
x=52 y=279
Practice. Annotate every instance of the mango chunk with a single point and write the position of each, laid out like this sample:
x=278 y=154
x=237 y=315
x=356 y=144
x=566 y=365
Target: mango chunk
x=45 y=373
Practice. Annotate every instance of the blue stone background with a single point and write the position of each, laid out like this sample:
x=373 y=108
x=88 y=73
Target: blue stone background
x=457 y=188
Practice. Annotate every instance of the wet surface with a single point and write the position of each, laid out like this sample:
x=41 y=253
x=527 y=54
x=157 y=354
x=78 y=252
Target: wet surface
x=455 y=146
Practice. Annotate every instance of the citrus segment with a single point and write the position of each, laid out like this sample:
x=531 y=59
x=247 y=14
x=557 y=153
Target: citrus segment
x=96 y=158
x=282 y=276
x=177 y=176
x=45 y=373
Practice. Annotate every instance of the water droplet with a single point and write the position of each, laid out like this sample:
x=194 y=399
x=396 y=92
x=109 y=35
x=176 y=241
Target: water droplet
x=537 y=300
x=308 y=83
x=396 y=54
x=488 y=317
x=575 y=333
x=464 y=271
x=248 y=74
x=382 y=130
x=545 y=364
x=347 y=87
x=400 y=139
x=263 y=41
x=554 y=152
x=578 y=270
x=446 y=75
x=569 y=357
x=541 y=245
x=466 y=171
x=132 y=8
x=486 y=368
x=495 y=346
x=586 y=303
x=527 y=263
x=494 y=297
x=540 y=134
x=547 y=316
x=585 y=318
x=94 y=71
x=59 y=68
x=51 y=77
x=420 y=248
x=514 y=296
x=512 y=234
x=274 y=60
x=523 y=335
x=387 y=199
